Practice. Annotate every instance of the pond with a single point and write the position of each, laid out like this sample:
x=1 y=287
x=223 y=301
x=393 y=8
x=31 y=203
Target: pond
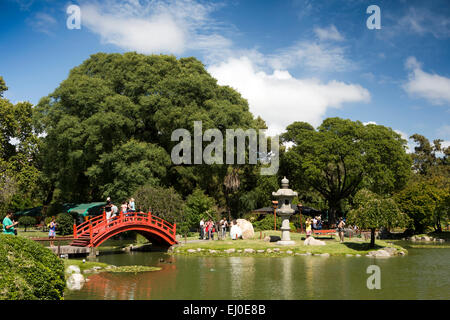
x=422 y=274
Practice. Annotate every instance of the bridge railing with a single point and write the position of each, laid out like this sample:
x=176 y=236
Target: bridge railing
x=100 y=223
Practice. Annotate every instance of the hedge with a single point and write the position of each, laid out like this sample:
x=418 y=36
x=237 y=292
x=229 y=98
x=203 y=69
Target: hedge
x=28 y=271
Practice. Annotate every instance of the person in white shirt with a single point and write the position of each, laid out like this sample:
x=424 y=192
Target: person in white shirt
x=235 y=232
x=202 y=229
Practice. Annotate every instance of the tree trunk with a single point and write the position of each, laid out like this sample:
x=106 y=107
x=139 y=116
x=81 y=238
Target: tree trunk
x=372 y=238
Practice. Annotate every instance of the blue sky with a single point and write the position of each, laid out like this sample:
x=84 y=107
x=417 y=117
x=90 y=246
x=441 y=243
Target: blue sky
x=293 y=60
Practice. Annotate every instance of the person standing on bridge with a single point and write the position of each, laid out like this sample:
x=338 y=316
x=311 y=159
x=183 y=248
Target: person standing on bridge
x=108 y=209
x=131 y=206
x=124 y=208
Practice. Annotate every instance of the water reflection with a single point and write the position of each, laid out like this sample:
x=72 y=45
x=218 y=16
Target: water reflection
x=419 y=275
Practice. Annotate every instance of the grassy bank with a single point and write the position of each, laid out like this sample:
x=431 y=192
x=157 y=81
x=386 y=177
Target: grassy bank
x=91 y=266
x=333 y=247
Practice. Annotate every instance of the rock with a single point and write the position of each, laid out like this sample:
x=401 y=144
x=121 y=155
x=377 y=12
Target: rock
x=381 y=253
x=357 y=255
x=325 y=255
x=276 y=249
x=275 y=238
x=266 y=238
x=348 y=255
x=212 y=251
x=391 y=251
x=73 y=269
x=199 y=249
x=249 y=251
x=401 y=253
x=302 y=254
x=441 y=240
x=260 y=251
x=239 y=251
x=269 y=250
x=308 y=253
x=231 y=250
x=75 y=281
x=313 y=242
x=191 y=250
x=289 y=252
x=246 y=228
x=426 y=238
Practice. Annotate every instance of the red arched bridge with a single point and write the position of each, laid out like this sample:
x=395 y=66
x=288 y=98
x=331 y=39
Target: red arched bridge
x=95 y=231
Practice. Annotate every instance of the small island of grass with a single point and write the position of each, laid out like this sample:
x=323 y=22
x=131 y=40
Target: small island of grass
x=259 y=247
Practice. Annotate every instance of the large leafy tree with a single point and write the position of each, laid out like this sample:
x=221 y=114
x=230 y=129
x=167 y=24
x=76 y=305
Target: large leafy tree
x=373 y=212
x=426 y=202
x=18 y=151
x=112 y=98
x=342 y=156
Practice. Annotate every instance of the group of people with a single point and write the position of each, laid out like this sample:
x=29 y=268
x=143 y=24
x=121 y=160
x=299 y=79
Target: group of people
x=316 y=224
x=209 y=228
x=9 y=226
x=112 y=210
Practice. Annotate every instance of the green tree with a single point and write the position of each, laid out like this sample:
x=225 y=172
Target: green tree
x=111 y=99
x=165 y=203
x=27 y=221
x=18 y=151
x=64 y=223
x=343 y=156
x=426 y=202
x=373 y=212
x=198 y=206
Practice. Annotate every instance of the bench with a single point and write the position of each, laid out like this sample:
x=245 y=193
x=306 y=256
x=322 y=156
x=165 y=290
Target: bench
x=326 y=232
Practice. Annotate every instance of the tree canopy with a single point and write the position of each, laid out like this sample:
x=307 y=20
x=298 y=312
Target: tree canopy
x=108 y=125
x=342 y=156
x=373 y=212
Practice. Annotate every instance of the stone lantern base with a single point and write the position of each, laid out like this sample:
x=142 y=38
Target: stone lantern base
x=286 y=242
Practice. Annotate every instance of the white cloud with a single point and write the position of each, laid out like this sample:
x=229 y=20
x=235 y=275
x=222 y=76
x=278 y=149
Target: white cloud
x=330 y=33
x=433 y=87
x=42 y=22
x=153 y=26
x=280 y=98
x=312 y=55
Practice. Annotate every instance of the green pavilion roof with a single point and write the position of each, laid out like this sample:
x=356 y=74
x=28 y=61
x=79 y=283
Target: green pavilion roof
x=85 y=209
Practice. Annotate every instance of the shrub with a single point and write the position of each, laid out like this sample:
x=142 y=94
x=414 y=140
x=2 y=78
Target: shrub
x=64 y=223
x=27 y=221
x=198 y=206
x=165 y=203
x=266 y=223
x=29 y=271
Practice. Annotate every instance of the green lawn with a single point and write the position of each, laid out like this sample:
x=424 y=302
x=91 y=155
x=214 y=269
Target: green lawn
x=333 y=246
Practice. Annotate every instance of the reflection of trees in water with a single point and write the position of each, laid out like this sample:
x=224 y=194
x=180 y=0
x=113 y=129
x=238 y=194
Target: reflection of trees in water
x=126 y=286
x=242 y=277
x=286 y=278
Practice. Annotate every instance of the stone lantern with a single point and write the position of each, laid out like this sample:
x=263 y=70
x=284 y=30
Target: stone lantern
x=284 y=210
